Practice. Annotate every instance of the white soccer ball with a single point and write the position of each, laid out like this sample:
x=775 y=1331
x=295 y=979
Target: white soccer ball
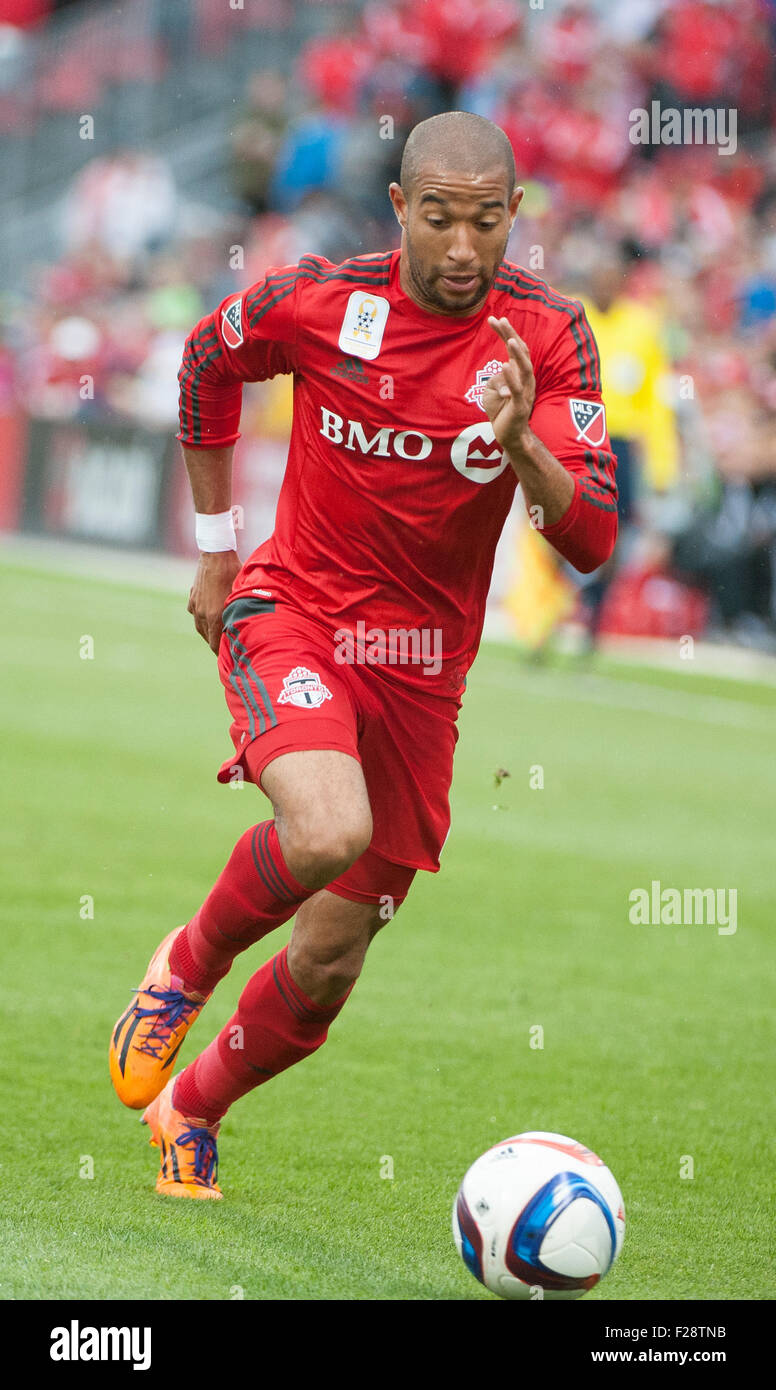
x=539 y=1216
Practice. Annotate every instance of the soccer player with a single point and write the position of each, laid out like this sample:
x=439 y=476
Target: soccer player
x=428 y=383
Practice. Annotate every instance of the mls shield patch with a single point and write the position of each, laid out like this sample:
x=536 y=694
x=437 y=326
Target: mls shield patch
x=231 y=323
x=589 y=421
x=361 y=334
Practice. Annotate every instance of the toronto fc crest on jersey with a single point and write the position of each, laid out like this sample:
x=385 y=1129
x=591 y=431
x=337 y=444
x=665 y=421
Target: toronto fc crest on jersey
x=474 y=393
x=303 y=687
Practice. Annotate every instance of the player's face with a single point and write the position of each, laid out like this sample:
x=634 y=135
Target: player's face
x=454 y=233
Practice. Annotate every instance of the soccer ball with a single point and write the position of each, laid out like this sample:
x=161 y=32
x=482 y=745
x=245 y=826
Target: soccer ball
x=539 y=1216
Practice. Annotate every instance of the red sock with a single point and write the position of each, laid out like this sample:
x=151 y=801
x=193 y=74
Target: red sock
x=254 y=894
x=275 y=1025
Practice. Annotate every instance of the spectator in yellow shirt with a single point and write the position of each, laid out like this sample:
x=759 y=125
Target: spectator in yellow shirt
x=642 y=423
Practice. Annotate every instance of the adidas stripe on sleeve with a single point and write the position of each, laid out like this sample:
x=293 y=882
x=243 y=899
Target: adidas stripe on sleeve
x=569 y=417
x=250 y=337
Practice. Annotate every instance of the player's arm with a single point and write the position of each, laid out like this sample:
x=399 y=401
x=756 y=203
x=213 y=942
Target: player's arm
x=575 y=494
x=249 y=337
x=210 y=476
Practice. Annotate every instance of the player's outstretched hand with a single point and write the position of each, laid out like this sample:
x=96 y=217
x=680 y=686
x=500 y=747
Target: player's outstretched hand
x=508 y=397
x=212 y=585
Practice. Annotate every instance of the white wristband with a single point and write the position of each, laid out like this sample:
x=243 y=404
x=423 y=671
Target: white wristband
x=215 y=531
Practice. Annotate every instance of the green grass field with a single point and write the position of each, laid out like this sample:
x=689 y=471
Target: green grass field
x=657 y=1039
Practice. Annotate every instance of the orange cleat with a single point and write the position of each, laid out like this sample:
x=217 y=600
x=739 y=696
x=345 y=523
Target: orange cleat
x=189 y=1154
x=148 y=1036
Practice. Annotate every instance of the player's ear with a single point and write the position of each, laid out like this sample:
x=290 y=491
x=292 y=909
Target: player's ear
x=514 y=203
x=399 y=201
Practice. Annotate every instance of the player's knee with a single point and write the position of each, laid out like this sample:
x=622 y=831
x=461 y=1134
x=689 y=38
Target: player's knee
x=326 y=970
x=318 y=852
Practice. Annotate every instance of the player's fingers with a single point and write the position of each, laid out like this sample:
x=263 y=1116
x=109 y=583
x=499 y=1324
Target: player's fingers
x=200 y=623
x=516 y=347
x=214 y=633
x=527 y=378
x=499 y=384
x=514 y=379
x=519 y=353
x=510 y=334
x=514 y=337
x=502 y=327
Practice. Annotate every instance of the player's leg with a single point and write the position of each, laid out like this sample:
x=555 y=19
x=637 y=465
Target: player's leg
x=322 y=824
x=405 y=748
x=285 y=1010
x=293 y=719
x=277 y=1021
x=322 y=812
x=328 y=945
x=283 y=1015
x=295 y=730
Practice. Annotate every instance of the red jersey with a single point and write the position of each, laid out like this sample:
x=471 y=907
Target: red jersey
x=396 y=492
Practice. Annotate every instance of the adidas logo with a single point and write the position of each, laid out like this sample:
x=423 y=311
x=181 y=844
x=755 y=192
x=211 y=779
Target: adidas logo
x=351 y=370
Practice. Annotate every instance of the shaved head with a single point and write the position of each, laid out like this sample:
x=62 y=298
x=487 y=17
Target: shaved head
x=455 y=204
x=456 y=141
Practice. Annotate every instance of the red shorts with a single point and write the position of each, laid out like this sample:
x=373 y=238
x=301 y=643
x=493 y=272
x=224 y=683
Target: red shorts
x=286 y=692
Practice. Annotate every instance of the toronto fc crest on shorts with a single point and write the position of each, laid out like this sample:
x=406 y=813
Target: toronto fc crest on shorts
x=303 y=687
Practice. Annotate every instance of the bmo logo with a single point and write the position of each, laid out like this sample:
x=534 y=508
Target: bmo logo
x=405 y=444
x=474 y=453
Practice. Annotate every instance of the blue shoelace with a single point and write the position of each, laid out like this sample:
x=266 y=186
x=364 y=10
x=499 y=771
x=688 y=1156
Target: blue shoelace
x=205 y=1153
x=172 y=1009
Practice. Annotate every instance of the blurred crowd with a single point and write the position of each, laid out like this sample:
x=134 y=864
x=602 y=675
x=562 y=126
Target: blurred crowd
x=672 y=247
